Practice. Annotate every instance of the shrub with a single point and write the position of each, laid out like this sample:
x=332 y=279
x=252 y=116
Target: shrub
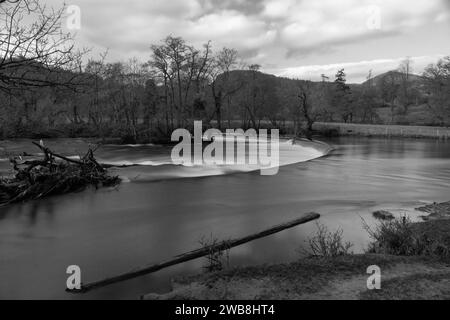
x=214 y=258
x=403 y=237
x=326 y=243
x=392 y=237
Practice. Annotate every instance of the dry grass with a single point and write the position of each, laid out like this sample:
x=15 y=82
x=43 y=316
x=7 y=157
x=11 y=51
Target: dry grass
x=414 y=287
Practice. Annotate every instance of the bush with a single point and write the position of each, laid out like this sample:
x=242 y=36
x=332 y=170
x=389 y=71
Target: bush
x=392 y=237
x=402 y=237
x=327 y=244
x=214 y=259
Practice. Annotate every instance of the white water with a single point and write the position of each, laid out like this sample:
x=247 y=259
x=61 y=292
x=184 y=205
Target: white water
x=140 y=155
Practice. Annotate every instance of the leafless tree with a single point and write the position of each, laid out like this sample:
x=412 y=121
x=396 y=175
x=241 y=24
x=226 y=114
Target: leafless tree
x=34 y=51
x=219 y=75
x=313 y=106
x=306 y=107
x=171 y=60
x=389 y=89
x=437 y=84
x=405 y=69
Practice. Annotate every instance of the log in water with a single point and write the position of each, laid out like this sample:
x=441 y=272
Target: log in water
x=191 y=255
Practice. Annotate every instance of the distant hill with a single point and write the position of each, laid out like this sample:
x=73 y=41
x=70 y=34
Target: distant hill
x=246 y=76
x=392 y=77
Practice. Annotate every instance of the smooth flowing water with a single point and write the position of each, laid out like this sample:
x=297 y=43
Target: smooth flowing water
x=161 y=210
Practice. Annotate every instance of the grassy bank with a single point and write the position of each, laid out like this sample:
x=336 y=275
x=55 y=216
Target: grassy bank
x=351 y=129
x=414 y=259
x=342 y=277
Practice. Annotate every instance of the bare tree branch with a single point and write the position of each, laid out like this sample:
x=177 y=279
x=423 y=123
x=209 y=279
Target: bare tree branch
x=34 y=51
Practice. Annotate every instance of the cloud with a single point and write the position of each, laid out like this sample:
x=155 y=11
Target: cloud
x=328 y=23
x=357 y=72
x=240 y=31
x=247 y=7
x=277 y=9
x=268 y=32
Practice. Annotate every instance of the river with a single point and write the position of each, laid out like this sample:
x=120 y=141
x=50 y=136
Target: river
x=161 y=210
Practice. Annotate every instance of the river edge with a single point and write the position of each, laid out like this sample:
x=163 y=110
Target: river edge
x=336 y=129
x=320 y=129
x=344 y=277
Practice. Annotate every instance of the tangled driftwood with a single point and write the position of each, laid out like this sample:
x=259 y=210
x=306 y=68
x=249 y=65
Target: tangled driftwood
x=54 y=174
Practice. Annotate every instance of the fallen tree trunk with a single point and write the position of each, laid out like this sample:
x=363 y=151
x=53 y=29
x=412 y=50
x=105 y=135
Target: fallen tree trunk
x=224 y=245
x=55 y=174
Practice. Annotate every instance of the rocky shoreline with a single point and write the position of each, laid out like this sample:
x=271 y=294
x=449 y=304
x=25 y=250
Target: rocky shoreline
x=436 y=211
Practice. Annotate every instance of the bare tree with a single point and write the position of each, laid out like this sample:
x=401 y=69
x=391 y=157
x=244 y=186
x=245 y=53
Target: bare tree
x=405 y=69
x=306 y=108
x=198 y=67
x=437 y=84
x=219 y=78
x=389 y=88
x=185 y=72
x=34 y=52
x=164 y=71
x=172 y=61
x=312 y=107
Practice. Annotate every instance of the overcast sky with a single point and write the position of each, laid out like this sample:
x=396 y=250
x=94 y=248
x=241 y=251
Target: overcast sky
x=294 y=38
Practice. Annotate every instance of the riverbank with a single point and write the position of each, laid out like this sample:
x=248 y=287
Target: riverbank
x=373 y=130
x=286 y=129
x=421 y=276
